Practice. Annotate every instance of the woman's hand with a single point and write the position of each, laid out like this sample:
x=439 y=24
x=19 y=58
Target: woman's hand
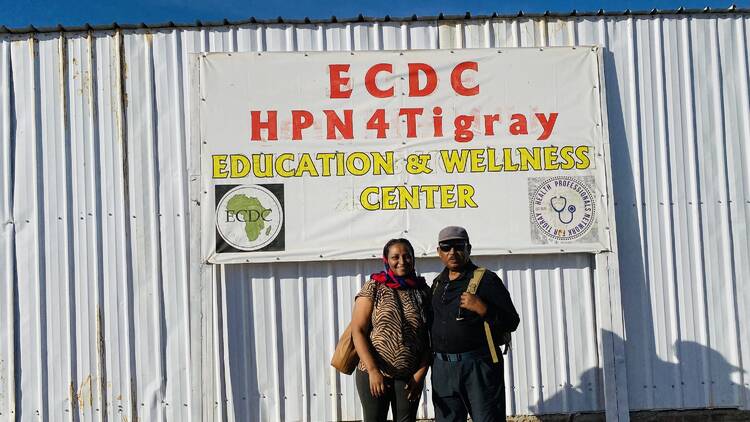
x=377 y=383
x=414 y=387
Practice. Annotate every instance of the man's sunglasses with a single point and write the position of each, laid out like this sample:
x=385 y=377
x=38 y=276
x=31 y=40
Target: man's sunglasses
x=446 y=247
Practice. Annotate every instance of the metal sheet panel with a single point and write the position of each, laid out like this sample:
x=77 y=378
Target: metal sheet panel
x=107 y=313
x=7 y=239
x=298 y=310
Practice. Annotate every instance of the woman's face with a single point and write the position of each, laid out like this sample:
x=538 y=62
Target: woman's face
x=400 y=260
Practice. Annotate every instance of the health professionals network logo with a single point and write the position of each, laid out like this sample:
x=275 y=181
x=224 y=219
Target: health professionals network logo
x=249 y=218
x=562 y=208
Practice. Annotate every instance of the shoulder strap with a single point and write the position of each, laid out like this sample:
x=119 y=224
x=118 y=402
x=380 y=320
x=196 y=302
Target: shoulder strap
x=473 y=285
x=475 y=279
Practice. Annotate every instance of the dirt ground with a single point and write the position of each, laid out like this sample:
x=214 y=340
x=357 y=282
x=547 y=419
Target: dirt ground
x=703 y=415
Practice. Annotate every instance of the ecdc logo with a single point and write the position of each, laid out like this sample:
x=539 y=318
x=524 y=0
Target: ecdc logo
x=249 y=218
x=245 y=216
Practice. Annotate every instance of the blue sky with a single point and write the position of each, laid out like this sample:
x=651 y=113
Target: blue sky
x=21 y=13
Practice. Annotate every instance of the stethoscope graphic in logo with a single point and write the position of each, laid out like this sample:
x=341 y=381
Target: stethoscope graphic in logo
x=555 y=202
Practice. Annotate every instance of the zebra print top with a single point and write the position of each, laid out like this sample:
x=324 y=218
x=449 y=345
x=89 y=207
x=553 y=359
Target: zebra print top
x=399 y=337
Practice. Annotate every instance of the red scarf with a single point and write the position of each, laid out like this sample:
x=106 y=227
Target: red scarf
x=393 y=281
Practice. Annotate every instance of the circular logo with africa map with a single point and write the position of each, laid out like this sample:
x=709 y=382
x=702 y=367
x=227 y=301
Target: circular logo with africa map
x=249 y=217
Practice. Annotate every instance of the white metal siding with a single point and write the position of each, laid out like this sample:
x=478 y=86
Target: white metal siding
x=282 y=322
x=106 y=312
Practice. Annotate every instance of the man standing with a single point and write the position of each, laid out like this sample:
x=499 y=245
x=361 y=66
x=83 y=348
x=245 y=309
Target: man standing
x=467 y=373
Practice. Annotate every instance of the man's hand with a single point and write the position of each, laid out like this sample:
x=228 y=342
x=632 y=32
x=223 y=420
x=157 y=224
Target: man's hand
x=473 y=303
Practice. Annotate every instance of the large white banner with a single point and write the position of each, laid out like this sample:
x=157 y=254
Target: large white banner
x=310 y=156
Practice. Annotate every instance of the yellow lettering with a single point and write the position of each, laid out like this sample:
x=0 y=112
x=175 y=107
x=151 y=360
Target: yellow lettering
x=306 y=165
x=446 y=196
x=477 y=160
x=373 y=198
x=339 y=164
x=566 y=153
x=280 y=170
x=408 y=195
x=325 y=159
x=582 y=152
x=267 y=169
x=429 y=191
x=220 y=166
x=452 y=161
x=533 y=157
x=240 y=165
x=466 y=196
x=388 y=197
x=492 y=164
x=364 y=198
x=550 y=158
x=364 y=161
x=508 y=160
x=382 y=163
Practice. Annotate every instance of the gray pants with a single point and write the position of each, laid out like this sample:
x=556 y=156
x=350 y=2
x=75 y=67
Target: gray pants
x=375 y=409
x=473 y=386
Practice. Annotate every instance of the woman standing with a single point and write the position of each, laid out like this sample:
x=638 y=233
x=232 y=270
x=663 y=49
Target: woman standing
x=389 y=329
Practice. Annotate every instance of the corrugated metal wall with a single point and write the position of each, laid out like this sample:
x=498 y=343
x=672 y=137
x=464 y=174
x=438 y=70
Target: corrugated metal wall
x=282 y=321
x=107 y=313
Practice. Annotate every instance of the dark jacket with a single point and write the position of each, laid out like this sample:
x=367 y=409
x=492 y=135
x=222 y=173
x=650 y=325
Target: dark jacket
x=457 y=336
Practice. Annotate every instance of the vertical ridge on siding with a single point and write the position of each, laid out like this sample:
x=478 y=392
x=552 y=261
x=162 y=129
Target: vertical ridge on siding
x=28 y=205
x=144 y=182
x=173 y=229
x=59 y=248
x=7 y=248
x=85 y=254
x=742 y=292
x=115 y=349
x=732 y=100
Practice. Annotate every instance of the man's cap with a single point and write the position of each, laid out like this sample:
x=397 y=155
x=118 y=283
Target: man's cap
x=453 y=233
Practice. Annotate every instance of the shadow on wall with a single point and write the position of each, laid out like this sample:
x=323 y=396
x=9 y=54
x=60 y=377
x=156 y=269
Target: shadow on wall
x=722 y=372
x=636 y=286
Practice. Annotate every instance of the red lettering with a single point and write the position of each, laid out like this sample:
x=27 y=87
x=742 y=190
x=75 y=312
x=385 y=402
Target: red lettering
x=437 y=121
x=371 y=84
x=411 y=120
x=547 y=124
x=519 y=125
x=432 y=80
x=301 y=119
x=338 y=81
x=489 y=123
x=334 y=123
x=463 y=132
x=256 y=126
x=456 y=79
x=377 y=122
